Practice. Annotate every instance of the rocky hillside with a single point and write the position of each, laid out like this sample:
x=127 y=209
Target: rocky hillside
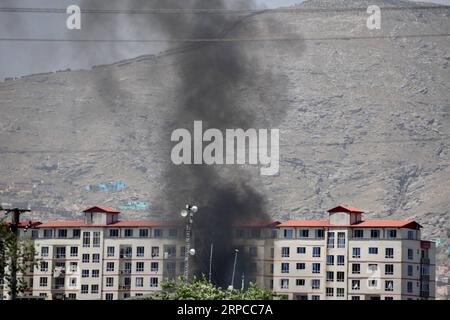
x=366 y=121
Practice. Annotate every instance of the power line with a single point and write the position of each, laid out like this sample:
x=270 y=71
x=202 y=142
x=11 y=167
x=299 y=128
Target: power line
x=204 y=40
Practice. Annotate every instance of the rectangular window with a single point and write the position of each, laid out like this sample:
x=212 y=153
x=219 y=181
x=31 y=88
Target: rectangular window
x=95 y=273
x=86 y=239
x=76 y=233
x=409 y=287
x=170 y=251
x=316 y=268
x=94 y=288
x=143 y=233
x=44 y=266
x=109 y=281
x=372 y=283
x=96 y=239
x=358 y=233
x=139 y=282
x=288 y=233
x=330 y=240
x=373 y=250
x=320 y=234
x=388 y=298
x=73 y=282
x=173 y=233
x=411 y=235
x=43 y=281
x=85 y=273
x=110 y=266
x=329 y=292
x=374 y=233
x=95 y=258
x=340 y=276
x=84 y=289
x=253 y=251
x=316 y=252
x=340 y=260
x=126 y=252
x=139 y=266
x=285 y=252
x=153 y=282
x=44 y=251
x=330 y=276
x=154 y=266
x=341 y=239
x=354 y=298
x=301 y=250
x=315 y=284
x=340 y=292
x=389 y=253
x=113 y=233
x=389 y=285
x=356 y=284
x=73 y=267
x=301 y=266
x=255 y=233
x=157 y=233
x=48 y=233
x=356 y=268
x=110 y=251
x=155 y=252
x=356 y=253
x=74 y=251
x=85 y=258
x=303 y=233
x=284 y=283
x=285 y=268
x=60 y=252
x=314 y=297
x=389 y=269
x=330 y=260
x=62 y=233
x=392 y=233
x=140 y=251
x=410 y=254
x=372 y=267
x=128 y=233
x=300 y=282
x=410 y=271
x=109 y=296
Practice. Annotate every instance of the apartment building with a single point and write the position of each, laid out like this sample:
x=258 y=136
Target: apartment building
x=348 y=258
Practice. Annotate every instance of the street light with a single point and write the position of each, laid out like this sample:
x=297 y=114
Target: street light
x=234 y=269
x=188 y=214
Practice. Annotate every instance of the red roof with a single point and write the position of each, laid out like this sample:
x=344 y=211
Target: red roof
x=256 y=224
x=101 y=209
x=118 y=224
x=24 y=223
x=363 y=224
x=344 y=208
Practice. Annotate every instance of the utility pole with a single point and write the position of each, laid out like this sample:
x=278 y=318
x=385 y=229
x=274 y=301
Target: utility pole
x=210 y=262
x=188 y=213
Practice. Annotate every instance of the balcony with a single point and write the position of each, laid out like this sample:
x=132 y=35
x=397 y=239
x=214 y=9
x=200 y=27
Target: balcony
x=425 y=260
x=125 y=287
x=126 y=271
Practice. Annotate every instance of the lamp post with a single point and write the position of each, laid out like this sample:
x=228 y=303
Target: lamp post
x=234 y=269
x=188 y=214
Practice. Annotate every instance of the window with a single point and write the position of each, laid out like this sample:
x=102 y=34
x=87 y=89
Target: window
x=85 y=258
x=340 y=276
x=43 y=295
x=76 y=233
x=85 y=273
x=316 y=252
x=410 y=254
x=285 y=252
x=128 y=233
x=303 y=233
x=74 y=251
x=95 y=273
x=388 y=298
x=301 y=250
x=389 y=285
x=272 y=252
x=139 y=266
x=127 y=281
x=329 y=292
x=410 y=235
x=330 y=241
x=157 y=233
x=43 y=281
x=285 y=268
x=154 y=266
x=86 y=239
x=44 y=251
x=374 y=233
x=288 y=233
x=110 y=251
x=300 y=282
x=153 y=282
x=301 y=266
x=356 y=284
x=356 y=253
x=94 y=288
x=170 y=251
x=255 y=233
x=284 y=283
x=72 y=282
x=126 y=252
x=341 y=239
x=95 y=258
x=354 y=298
x=110 y=266
x=373 y=250
x=358 y=233
x=113 y=233
x=60 y=252
x=392 y=233
x=44 y=266
x=314 y=297
x=320 y=234
x=139 y=282
x=73 y=267
x=96 y=239
x=316 y=268
x=140 y=251
x=155 y=252
x=389 y=253
x=372 y=283
x=173 y=233
x=356 y=268
x=330 y=260
x=340 y=260
x=109 y=281
x=109 y=296
x=372 y=267
x=330 y=276
x=315 y=284
x=410 y=270
x=340 y=292
x=409 y=287
x=143 y=233
x=84 y=289
x=389 y=269
x=62 y=233
x=253 y=251
x=48 y=233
